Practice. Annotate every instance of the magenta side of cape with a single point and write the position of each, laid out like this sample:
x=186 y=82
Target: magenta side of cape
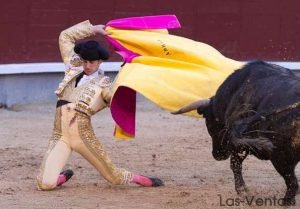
x=126 y=54
x=123 y=108
x=123 y=104
x=146 y=22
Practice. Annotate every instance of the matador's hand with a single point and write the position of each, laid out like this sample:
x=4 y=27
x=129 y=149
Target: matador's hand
x=100 y=29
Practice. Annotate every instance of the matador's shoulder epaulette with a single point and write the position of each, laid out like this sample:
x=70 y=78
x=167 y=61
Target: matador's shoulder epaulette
x=105 y=82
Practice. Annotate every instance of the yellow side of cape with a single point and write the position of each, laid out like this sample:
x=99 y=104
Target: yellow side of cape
x=172 y=71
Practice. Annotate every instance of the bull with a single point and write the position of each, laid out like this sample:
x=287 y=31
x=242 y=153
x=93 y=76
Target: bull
x=256 y=112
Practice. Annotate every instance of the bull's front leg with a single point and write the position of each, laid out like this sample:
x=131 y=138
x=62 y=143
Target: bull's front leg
x=286 y=168
x=236 y=161
x=292 y=188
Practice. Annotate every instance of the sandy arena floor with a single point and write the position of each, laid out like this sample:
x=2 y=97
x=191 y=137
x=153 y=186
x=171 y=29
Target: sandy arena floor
x=174 y=148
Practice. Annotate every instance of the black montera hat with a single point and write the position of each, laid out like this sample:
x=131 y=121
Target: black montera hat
x=91 y=50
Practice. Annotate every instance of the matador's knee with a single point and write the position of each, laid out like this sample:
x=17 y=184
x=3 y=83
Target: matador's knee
x=45 y=185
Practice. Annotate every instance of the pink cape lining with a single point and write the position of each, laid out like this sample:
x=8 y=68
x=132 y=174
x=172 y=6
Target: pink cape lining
x=146 y=22
x=126 y=54
x=123 y=109
x=123 y=104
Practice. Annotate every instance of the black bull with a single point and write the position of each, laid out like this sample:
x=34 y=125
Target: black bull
x=256 y=111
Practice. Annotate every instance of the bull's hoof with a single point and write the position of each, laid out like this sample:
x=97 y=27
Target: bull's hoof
x=242 y=191
x=289 y=201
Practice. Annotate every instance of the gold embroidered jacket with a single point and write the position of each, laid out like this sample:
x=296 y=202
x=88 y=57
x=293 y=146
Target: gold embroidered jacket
x=93 y=95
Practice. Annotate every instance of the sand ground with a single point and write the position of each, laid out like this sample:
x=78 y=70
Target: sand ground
x=174 y=148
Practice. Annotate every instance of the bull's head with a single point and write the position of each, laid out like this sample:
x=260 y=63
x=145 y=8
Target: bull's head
x=215 y=127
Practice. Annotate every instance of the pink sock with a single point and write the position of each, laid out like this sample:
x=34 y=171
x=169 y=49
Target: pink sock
x=61 y=179
x=141 y=180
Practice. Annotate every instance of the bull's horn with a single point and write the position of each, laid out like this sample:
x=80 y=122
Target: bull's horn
x=195 y=105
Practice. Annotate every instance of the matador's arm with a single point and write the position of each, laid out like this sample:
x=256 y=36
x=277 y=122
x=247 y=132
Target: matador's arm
x=68 y=37
x=106 y=95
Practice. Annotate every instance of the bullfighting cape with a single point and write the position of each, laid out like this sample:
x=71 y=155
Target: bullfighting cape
x=169 y=70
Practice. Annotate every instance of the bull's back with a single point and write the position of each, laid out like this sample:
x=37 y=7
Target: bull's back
x=265 y=99
x=259 y=86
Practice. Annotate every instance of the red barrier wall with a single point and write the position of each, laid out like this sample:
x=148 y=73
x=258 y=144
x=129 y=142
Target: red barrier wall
x=240 y=29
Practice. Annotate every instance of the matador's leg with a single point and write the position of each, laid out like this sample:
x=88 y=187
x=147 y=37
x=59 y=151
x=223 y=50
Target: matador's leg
x=91 y=149
x=55 y=158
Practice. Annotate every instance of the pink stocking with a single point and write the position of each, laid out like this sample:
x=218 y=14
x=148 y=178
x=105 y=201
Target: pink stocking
x=142 y=180
x=61 y=179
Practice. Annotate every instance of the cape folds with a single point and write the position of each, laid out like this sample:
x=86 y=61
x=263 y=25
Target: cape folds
x=169 y=70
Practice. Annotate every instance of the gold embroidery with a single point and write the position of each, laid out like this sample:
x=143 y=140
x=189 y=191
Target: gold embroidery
x=88 y=97
x=89 y=91
x=72 y=120
x=119 y=176
x=81 y=107
x=76 y=61
x=105 y=82
x=69 y=77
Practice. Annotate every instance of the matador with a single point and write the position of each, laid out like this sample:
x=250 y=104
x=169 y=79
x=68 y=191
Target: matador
x=83 y=92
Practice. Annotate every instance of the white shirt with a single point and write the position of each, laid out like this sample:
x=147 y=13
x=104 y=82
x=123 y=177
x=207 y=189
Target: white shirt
x=86 y=78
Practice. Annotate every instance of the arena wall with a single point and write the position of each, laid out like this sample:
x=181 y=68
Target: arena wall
x=240 y=29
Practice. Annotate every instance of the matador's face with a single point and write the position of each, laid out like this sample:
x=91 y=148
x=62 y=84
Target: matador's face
x=89 y=67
